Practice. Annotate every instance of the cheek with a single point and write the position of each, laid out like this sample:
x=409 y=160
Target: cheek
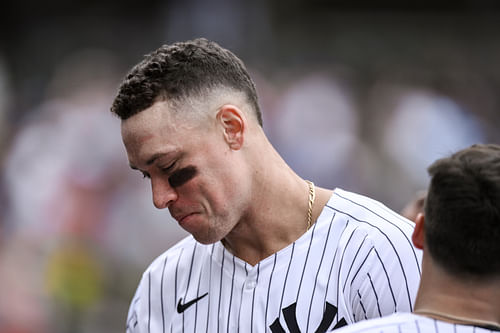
x=220 y=180
x=215 y=196
x=233 y=194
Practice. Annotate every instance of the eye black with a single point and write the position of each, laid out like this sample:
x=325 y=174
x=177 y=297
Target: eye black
x=182 y=176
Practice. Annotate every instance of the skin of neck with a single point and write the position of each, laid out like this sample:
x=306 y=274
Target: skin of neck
x=445 y=293
x=277 y=214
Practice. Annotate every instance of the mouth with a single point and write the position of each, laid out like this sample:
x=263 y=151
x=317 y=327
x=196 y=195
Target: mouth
x=182 y=218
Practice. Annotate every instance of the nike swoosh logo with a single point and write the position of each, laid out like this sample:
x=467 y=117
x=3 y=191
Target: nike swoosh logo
x=182 y=307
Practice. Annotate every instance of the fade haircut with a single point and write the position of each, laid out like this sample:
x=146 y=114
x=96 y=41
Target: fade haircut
x=181 y=70
x=462 y=212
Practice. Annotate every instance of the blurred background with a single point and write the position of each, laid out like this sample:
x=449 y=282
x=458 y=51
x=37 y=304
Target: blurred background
x=358 y=94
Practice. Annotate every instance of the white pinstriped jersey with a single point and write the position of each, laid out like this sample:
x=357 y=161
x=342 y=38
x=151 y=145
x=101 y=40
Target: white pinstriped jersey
x=410 y=323
x=356 y=262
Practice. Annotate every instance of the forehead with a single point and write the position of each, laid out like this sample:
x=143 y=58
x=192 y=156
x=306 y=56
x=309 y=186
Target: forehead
x=157 y=130
x=141 y=126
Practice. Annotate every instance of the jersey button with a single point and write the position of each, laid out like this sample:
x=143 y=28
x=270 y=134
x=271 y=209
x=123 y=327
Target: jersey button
x=250 y=284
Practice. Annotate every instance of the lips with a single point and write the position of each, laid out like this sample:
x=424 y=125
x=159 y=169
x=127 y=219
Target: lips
x=180 y=214
x=183 y=217
x=179 y=217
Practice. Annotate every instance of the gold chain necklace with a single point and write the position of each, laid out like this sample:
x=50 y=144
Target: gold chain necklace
x=312 y=196
x=460 y=320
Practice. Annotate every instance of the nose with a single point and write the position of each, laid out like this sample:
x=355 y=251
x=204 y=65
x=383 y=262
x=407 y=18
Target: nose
x=163 y=193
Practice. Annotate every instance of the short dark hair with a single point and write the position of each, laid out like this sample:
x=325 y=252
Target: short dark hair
x=181 y=70
x=462 y=212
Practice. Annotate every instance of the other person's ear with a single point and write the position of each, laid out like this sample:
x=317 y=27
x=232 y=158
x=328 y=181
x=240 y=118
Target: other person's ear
x=418 y=237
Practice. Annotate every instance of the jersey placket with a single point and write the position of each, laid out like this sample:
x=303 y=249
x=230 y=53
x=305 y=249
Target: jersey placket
x=248 y=300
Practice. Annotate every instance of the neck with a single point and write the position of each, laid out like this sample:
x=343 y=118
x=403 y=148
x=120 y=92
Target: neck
x=462 y=301
x=278 y=213
x=280 y=224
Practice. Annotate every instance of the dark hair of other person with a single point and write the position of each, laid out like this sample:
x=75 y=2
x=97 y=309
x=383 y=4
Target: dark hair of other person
x=182 y=70
x=462 y=212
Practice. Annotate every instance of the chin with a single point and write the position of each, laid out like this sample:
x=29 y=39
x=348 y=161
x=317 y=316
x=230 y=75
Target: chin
x=206 y=239
x=206 y=235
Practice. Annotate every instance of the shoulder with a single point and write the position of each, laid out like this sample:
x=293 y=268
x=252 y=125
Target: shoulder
x=390 y=323
x=370 y=215
x=171 y=266
x=179 y=255
x=362 y=207
x=386 y=234
x=408 y=323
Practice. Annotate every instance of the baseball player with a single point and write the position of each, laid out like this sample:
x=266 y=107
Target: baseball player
x=268 y=250
x=459 y=232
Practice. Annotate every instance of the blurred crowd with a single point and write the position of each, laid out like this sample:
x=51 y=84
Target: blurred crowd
x=77 y=226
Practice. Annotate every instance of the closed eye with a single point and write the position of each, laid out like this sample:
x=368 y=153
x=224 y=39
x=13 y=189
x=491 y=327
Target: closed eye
x=168 y=168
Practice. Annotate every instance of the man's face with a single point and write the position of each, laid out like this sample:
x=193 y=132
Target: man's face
x=193 y=172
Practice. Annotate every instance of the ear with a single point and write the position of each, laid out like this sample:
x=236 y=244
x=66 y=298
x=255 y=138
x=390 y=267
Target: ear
x=232 y=121
x=418 y=237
